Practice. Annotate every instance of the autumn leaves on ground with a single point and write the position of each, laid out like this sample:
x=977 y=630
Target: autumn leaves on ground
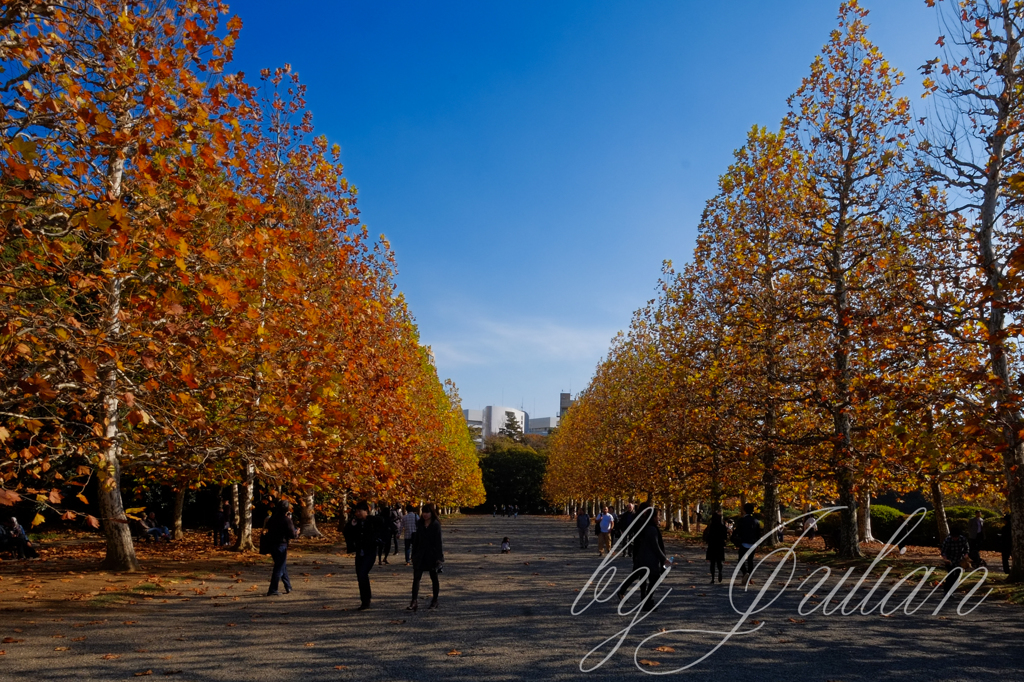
x=189 y=298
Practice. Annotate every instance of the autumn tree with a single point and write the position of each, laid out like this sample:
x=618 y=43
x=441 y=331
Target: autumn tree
x=851 y=131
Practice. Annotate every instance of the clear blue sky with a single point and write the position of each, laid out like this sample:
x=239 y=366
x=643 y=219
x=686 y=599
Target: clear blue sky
x=533 y=163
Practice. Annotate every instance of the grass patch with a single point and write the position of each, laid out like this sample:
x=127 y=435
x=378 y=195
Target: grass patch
x=109 y=600
x=148 y=587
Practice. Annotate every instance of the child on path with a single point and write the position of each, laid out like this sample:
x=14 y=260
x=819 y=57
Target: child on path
x=506 y=546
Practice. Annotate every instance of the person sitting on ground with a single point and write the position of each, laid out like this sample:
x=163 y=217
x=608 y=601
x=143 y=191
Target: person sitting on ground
x=17 y=540
x=506 y=546
x=955 y=549
x=153 y=530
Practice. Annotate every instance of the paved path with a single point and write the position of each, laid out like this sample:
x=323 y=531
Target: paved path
x=508 y=618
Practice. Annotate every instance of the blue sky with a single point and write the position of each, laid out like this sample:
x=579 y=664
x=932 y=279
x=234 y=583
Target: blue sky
x=533 y=163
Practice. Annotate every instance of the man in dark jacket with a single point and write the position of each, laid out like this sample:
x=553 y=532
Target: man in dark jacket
x=748 y=532
x=583 y=526
x=427 y=554
x=361 y=538
x=648 y=552
x=280 y=529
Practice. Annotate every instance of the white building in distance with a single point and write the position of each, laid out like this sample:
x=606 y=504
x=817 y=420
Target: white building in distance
x=492 y=418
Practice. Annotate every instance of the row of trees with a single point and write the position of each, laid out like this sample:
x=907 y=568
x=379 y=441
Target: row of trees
x=188 y=294
x=850 y=320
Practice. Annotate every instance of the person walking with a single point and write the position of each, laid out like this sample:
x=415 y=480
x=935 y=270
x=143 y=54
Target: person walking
x=604 y=538
x=382 y=526
x=1006 y=543
x=515 y=512
x=396 y=526
x=648 y=553
x=955 y=548
x=625 y=519
x=975 y=536
x=427 y=555
x=583 y=527
x=409 y=530
x=748 y=532
x=361 y=538
x=715 y=536
x=280 y=529
x=222 y=525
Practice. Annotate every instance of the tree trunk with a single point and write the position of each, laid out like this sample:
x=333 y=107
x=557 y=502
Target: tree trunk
x=771 y=505
x=343 y=511
x=849 y=544
x=308 y=517
x=864 y=516
x=941 y=522
x=120 y=550
x=246 y=494
x=235 y=520
x=177 y=532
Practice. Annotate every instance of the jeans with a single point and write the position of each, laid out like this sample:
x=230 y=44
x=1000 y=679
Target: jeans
x=408 y=548
x=224 y=536
x=974 y=550
x=417 y=573
x=280 y=556
x=584 y=537
x=748 y=565
x=955 y=573
x=364 y=563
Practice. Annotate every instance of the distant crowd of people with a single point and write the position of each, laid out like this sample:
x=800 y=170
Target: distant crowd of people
x=961 y=548
x=506 y=510
x=370 y=537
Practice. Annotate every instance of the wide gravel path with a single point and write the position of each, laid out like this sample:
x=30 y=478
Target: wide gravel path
x=502 y=617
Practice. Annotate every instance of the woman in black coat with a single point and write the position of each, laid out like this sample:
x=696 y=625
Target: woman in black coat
x=427 y=554
x=716 y=535
x=280 y=529
x=648 y=552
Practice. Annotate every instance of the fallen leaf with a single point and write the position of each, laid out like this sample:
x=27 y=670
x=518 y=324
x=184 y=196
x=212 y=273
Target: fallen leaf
x=11 y=640
x=110 y=657
x=644 y=661
x=60 y=648
x=78 y=639
x=340 y=667
x=797 y=620
x=454 y=652
x=310 y=644
x=666 y=649
x=143 y=673
x=397 y=622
